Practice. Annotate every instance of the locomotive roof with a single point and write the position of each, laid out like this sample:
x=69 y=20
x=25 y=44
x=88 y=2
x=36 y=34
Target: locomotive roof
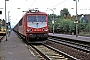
x=35 y=13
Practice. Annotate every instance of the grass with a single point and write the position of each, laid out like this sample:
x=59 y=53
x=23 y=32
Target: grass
x=84 y=34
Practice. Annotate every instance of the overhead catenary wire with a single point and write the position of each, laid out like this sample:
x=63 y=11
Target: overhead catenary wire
x=46 y=3
x=33 y=3
x=30 y=4
x=59 y=3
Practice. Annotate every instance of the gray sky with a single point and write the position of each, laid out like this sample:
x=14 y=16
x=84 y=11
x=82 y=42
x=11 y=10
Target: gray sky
x=42 y=5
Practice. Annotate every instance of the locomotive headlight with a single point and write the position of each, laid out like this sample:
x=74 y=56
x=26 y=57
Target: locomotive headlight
x=45 y=29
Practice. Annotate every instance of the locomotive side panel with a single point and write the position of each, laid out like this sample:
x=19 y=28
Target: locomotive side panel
x=25 y=24
x=16 y=28
x=22 y=27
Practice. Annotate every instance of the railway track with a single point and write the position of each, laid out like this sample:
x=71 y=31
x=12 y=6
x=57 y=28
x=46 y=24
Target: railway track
x=49 y=53
x=76 y=45
x=72 y=48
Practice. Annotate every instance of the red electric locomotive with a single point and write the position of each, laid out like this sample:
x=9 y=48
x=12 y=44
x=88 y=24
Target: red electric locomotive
x=33 y=26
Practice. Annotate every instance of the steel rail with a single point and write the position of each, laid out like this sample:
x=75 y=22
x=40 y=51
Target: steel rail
x=46 y=57
x=70 y=45
x=60 y=52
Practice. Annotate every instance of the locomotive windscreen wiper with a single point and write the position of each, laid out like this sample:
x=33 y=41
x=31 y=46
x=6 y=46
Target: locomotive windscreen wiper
x=37 y=24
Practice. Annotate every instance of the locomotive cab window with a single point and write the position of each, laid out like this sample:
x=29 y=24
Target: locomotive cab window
x=37 y=18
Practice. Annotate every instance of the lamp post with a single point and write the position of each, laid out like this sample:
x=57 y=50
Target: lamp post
x=8 y=16
x=76 y=21
x=6 y=20
x=9 y=25
x=53 y=18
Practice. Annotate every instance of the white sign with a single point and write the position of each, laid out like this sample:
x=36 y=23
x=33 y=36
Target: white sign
x=52 y=21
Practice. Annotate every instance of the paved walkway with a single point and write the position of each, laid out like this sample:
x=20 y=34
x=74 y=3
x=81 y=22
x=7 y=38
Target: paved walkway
x=81 y=38
x=14 y=49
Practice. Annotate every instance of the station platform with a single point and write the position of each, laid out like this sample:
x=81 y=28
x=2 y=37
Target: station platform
x=14 y=49
x=72 y=37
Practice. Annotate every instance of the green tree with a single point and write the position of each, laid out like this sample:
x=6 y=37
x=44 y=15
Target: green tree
x=87 y=27
x=50 y=22
x=64 y=13
x=64 y=26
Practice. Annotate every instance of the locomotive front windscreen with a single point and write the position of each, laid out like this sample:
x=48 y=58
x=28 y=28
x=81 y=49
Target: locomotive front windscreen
x=36 y=18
